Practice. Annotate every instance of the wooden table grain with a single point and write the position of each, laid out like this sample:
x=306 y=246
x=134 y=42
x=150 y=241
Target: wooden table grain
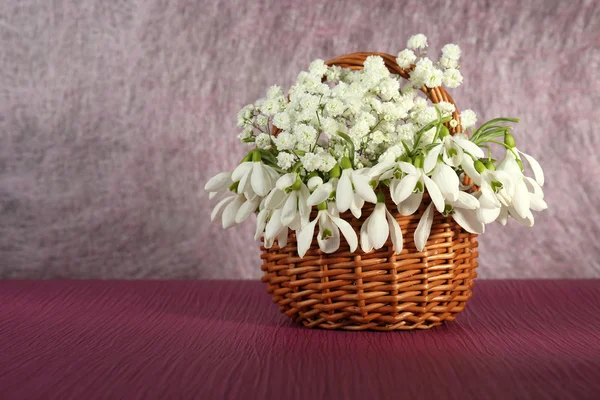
x=226 y=340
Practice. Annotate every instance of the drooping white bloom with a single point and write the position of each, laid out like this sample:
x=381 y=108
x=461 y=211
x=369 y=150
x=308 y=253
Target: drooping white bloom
x=464 y=212
x=418 y=41
x=353 y=183
x=406 y=58
x=234 y=209
x=376 y=229
x=468 y=118
x=411 y=187
x=254 y=177
x=218 y=183
x=452 y=149
x=328 y=237
x=291 y=196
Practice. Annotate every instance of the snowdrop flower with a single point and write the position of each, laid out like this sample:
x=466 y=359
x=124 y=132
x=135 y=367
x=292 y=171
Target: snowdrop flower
x=273 y=227
x=452 y=149
x=234 y=209
x=524 y=200
x=497 y=188
x=254 y=177
x=380 y=225
x=290 y=195
x=410 y=188
x=418 y=41
x=352 y=183
x=463 y=211
x=328 y=237
x=218 y=183
x=538 y=172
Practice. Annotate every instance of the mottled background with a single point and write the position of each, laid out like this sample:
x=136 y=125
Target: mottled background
x=113 y=114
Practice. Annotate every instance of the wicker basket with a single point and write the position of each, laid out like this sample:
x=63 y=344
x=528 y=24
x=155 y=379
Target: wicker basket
x=377 y=290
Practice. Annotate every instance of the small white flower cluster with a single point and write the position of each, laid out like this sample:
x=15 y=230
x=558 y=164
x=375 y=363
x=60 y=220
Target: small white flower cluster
x=349 y=137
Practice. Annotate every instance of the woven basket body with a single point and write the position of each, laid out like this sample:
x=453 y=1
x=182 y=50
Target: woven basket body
x=377 y=290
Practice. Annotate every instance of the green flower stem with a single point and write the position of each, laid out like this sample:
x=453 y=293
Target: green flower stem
x=322 y=206
x=380 y=197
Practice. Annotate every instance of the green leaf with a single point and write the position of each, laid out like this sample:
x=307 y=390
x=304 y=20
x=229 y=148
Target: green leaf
x=268 y=156
x=350 y=145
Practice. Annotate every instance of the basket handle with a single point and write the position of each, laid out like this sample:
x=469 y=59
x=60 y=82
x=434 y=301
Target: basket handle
x=356 y=60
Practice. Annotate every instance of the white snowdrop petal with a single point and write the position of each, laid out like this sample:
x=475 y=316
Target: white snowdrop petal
x=319 y=195
x=468 y=220
x=285 y=181
x=347 y=231
x=405 y=187
x=470 y=147
x=274 y=199
x=261 y=181
x=363 y=189
x=411 y=204
x=487 y=215
x=434 y=192
x=467 y=201
x=261 y=222
x=537 y=203
x=365 y=243
x=432 y=158
x=332 y=243
x=220 y=206
x=343 y=192
x=447 y=181
x=230 y=212
x=538 y=172
x=219 y=182
x=521 y=199
x=314 y=182
x=378 y=228
x=246 y=210
x=424 y=228
x=469 y=168
x=305 y=237
x=241 y=170
x=407 y=168
x=395 y=233
x=288 y=212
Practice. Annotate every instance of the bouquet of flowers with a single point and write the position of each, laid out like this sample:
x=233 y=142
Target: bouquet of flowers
x=343 y=138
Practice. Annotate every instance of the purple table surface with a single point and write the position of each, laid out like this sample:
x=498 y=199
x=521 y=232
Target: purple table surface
x=226 y=340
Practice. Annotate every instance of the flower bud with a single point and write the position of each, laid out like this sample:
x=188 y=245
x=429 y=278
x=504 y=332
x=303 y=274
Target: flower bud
x=247 y=157
x=346 y=164
x=336 y=171
x=419 y=161
x=453 y=123
x=256 y=156
x=479 y=166
x=444 y=131
x=489 y=164
x=509 y=140
x=297 y=184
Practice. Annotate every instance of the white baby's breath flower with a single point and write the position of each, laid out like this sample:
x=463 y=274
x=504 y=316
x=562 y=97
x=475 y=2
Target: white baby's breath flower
x=451 y=51
x=262 y=121
x=285 y=141
x=452 y=78
x=334 y=73
x=448 y=63
x=246 y=134
x=334 y=107
x=274 y=92
x=418 y=41
x=434 y=78
x=406 y=58
x=245 y=115
x=317 y=68
x=263 y=141
x=285 y=160
x=375 y=67
x=446 y=108
x=468 y=118
x=282 y=120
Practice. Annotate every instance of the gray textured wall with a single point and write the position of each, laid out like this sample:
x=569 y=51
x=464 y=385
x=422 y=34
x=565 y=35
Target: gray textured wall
x=114 y=113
